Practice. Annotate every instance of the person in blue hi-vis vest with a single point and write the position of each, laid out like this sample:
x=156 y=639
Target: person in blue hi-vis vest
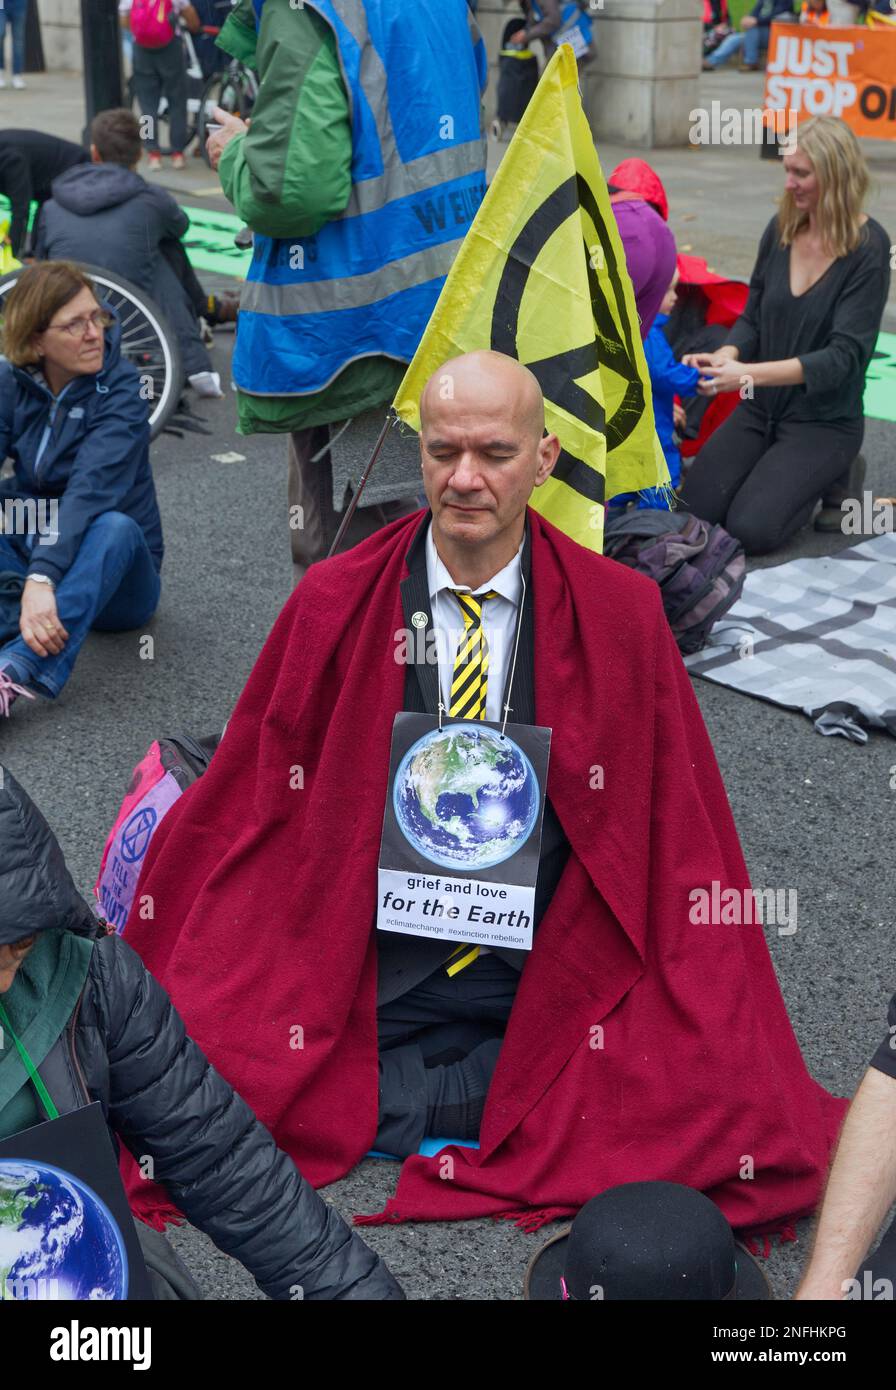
x=360 y=174
x=555 y=22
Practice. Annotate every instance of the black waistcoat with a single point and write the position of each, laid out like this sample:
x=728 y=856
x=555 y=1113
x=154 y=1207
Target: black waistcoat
x=406 y=960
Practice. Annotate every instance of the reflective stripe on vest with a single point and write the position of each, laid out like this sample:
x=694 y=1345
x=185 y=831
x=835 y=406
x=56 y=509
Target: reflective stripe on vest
x=350 y=291
x=367 y=282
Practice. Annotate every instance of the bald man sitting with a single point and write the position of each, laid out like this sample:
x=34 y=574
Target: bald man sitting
x=257 y=905
x=483 y=450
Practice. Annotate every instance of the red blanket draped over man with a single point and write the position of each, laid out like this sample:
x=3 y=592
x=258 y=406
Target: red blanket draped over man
x=640 y=1045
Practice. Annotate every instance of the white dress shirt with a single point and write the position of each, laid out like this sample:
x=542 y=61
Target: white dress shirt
x=500 y=617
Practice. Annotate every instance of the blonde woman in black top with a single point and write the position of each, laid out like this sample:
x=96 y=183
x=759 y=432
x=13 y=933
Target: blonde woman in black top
x=799 y=352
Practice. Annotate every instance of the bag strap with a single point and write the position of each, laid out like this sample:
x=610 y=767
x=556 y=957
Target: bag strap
x=45 y=1097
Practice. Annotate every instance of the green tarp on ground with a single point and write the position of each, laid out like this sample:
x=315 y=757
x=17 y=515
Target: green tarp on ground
x=209 y=242
x=880 y=382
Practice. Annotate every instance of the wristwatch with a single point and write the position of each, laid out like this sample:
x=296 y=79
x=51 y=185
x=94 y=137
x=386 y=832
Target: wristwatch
x=42 y=579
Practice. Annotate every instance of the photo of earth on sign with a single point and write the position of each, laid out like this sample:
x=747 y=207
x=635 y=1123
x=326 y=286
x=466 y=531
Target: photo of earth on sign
x=58 y=1240
x=465 y=797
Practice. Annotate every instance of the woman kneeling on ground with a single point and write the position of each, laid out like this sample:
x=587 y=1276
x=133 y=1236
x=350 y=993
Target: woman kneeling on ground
x=799 y=352
x=81 y=531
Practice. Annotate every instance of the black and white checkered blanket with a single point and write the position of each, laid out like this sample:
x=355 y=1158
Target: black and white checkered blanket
x=817 y=635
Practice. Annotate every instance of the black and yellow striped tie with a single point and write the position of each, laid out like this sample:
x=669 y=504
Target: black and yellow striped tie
x=469 y=688
x=469 y=683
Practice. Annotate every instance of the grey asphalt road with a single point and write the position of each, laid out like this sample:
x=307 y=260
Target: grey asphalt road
x=814 y=814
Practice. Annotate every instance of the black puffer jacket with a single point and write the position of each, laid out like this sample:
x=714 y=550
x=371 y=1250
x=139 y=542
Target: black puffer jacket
x=126 y=1046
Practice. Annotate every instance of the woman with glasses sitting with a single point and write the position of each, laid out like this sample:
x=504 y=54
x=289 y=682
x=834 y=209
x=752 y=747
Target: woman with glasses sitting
x=81 y=543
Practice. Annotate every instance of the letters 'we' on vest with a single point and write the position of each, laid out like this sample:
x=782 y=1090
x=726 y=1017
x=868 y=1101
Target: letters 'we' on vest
x=542 y=276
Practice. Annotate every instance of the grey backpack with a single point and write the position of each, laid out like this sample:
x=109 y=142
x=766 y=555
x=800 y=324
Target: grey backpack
x=700 y=568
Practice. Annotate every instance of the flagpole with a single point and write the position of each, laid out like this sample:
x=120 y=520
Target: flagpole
x=350 y=511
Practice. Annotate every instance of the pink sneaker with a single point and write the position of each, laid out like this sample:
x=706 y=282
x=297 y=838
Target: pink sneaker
x=9 y=690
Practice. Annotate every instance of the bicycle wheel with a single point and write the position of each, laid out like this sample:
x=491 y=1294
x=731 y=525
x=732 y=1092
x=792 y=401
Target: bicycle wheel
x=147 y=340
x=234 y=90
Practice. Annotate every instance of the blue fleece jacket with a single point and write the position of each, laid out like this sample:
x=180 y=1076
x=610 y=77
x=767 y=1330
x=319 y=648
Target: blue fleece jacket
x=88 y=447
x=668 y=379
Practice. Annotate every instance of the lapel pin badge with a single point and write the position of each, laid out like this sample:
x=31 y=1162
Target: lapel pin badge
x=420 y=619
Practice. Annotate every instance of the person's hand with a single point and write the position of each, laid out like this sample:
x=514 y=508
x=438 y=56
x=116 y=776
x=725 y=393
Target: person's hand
x=39 y=620
x=748 y=22
x=679 y=416
x=711 y=359
x=518 y=37
x=724 y=376
x=699 y=359
x=230 y=127
x=702 y=359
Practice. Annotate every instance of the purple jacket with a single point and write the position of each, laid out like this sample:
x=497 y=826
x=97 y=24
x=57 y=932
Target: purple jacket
x=649 y=253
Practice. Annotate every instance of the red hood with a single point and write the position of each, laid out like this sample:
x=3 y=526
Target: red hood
x=636 y=176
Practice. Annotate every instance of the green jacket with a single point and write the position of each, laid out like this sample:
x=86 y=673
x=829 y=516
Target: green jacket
x=291 y=173
x=39 y=1005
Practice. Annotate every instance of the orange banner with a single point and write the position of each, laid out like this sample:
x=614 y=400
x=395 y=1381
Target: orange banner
x=848 y=72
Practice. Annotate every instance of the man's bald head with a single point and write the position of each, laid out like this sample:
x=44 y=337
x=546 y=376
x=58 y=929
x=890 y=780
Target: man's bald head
x=486 y=383
x=483 y=450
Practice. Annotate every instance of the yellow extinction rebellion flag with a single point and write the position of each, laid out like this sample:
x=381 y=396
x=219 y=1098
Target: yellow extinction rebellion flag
x=541 y=276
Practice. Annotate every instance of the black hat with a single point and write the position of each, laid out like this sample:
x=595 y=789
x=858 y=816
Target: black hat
x=646 y=1240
